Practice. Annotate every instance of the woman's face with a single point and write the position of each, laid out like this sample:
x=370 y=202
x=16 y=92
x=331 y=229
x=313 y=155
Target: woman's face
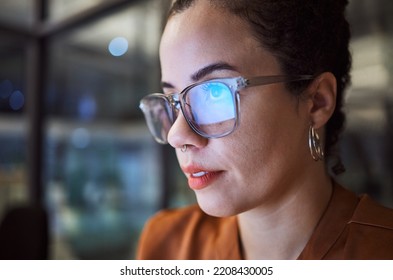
x=262 y=161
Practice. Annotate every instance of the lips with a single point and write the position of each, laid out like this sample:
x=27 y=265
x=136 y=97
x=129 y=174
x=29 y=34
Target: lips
x=198 y=178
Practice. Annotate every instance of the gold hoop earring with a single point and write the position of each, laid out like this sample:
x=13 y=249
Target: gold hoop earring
x=315 y=145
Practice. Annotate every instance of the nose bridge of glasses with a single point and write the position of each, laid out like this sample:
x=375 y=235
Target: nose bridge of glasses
x=174 y=101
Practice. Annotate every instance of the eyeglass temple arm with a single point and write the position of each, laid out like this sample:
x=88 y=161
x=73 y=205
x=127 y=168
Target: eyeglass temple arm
x=260 y=81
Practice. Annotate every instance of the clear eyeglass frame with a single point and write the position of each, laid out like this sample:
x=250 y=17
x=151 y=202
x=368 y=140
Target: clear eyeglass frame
x=156 y=104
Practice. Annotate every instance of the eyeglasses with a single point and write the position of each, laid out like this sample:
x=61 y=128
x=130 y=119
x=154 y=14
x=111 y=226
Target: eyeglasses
x=211 y=108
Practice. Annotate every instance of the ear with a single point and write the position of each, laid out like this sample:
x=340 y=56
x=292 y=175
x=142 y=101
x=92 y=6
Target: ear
x=322 y=99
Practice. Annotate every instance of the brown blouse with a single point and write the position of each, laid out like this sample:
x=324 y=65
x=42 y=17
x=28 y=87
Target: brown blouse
x=351 y=228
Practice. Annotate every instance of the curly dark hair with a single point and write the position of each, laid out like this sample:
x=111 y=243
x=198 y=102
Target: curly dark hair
x=306 y=37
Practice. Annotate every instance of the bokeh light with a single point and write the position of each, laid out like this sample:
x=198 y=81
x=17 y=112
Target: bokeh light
x=118 y=46
x=80 y=138
x=17 y=100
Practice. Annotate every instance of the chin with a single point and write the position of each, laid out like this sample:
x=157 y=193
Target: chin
x=215 y=208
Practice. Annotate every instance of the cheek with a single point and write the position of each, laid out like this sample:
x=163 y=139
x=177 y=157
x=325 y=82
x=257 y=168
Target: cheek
x=270 y=133
x=258 y=128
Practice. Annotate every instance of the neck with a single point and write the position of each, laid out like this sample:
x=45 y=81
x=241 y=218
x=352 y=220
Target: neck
x=281 y=231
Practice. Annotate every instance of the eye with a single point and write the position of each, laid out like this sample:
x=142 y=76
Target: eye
x=216 y=91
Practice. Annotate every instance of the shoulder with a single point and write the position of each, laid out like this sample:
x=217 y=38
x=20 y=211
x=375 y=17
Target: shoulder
x=185 y=233
x=371 y=231
x=370 y=213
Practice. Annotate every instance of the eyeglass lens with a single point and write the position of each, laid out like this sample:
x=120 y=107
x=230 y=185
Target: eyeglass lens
x=209 y=108
x=159 y=116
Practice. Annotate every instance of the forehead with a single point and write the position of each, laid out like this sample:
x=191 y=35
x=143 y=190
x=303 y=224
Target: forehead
x=202 y=35
x=202 y=27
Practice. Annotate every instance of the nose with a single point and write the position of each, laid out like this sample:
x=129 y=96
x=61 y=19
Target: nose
x=181 y=134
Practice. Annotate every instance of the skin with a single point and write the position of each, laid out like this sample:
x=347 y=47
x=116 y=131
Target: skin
x=263 y=172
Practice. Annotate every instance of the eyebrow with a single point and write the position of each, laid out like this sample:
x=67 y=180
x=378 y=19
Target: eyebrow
x=203 y=72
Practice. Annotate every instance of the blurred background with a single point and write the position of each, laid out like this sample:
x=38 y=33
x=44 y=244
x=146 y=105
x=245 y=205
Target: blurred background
x=79 y=172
